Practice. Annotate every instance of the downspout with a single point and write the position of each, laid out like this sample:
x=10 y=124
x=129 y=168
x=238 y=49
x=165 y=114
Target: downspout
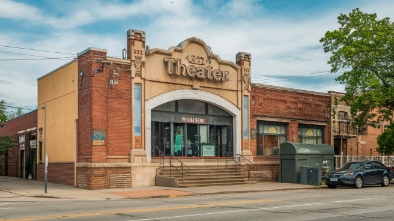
x=75 y=151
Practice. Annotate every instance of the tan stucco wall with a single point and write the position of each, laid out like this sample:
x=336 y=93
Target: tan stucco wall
x=58 y=92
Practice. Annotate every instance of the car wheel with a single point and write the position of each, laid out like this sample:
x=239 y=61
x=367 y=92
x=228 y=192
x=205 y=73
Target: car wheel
x=358 y=182
x=385 y=181
x=331 y=186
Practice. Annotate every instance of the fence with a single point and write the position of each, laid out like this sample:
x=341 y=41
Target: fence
x=341 y=160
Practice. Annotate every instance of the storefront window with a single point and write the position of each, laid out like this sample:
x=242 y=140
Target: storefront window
x=269 y=137
x=185 y=128
x=310 y=134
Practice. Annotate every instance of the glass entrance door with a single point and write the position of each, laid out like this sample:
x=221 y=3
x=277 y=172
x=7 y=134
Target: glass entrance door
x=189 y=140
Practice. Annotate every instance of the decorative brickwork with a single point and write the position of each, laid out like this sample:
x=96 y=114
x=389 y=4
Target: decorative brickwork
x=102 y=177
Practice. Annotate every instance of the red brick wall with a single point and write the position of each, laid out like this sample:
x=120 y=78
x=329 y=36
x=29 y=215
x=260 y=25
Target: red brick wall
x=98 y=177
x=62 y=173
x=292 y=105
x=11 y=128
x=85 y=70
x=118 y=112
x=103 y=107
x=281 y=103
x=370 y=138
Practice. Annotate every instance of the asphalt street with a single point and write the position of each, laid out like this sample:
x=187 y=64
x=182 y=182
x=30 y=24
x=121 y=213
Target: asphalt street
x=344 y=203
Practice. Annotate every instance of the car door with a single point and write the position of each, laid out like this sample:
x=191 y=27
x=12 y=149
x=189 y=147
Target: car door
x=378 y=171
x=368 y=173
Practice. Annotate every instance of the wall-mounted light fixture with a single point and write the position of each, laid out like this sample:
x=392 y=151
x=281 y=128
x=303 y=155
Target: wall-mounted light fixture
x=101 y=69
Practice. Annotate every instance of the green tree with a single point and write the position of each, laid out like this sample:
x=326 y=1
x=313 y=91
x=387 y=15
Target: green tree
x=363 y=47
x=5 y=143
x=386 y=141
x=12 y=115
x=3 y=115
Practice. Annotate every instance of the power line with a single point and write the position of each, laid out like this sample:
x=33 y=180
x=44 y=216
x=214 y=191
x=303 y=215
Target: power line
x=6 y=52
x=31 y=49
x=68 y=49
x=17 y=107
x=32 y=59
x=316 y=74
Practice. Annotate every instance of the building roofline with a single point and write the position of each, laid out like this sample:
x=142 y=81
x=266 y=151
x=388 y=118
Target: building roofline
x=57 y=69
x=90 y=49
x=258 y=85
x=23 y=115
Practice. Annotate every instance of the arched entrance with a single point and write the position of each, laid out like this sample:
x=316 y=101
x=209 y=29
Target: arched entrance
x=194 y=95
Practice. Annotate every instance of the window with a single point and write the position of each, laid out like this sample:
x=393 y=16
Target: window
x=269 y=137
x=21 y=138
x=137 y=109
x=191 y=106
x=310 y=134
x=342 y=115
x=246 y=117
x=33 y=139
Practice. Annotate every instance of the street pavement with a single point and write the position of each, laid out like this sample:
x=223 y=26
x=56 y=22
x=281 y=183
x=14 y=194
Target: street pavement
x=12 y=188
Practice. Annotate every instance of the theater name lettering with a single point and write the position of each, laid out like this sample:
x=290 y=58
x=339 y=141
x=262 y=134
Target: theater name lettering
x=195 y=120
x=175 y=67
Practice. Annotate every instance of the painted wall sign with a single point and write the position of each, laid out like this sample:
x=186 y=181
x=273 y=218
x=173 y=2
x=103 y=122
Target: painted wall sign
x=194 y=120
x=98 y=137
x=174 y=67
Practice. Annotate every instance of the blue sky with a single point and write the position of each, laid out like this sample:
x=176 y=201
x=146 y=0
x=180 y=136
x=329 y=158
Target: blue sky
x=283 y=36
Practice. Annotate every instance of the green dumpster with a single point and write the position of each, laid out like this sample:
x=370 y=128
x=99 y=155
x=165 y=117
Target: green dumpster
x=293 y=156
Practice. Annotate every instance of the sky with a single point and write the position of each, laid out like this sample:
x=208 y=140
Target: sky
x=37 y=37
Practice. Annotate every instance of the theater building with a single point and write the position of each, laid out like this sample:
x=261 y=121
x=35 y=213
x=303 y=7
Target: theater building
x=106 y=120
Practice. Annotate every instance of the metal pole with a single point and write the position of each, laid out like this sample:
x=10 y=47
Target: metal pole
x=46 y=173
x=45 y=150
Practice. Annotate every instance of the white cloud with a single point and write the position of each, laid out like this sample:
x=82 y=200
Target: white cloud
x=279 y=45
x=15 y=10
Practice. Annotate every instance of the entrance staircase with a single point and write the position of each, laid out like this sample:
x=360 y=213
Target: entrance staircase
x=201 y=175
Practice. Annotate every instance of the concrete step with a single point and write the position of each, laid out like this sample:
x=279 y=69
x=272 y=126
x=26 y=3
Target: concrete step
x=204 y=175
x=186 y=185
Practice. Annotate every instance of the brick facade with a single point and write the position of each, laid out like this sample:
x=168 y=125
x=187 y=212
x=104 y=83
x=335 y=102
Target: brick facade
x=291 y=107
x=62 y=173
x=104 y=104
x=26 y=124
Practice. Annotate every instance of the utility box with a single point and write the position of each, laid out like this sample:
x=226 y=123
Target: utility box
x=293 y=156
x=314 y=176
x=304 y=175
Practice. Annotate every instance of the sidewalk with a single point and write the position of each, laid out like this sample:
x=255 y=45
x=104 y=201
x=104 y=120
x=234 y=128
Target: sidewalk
x=12 y=188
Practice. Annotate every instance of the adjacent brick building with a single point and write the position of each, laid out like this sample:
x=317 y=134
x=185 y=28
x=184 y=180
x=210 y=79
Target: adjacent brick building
x=21 y=158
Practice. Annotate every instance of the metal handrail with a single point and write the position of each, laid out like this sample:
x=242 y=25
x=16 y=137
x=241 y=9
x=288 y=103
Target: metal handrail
x=249 y=163
x=182 y=166
x=236 y=158
x=161 y=154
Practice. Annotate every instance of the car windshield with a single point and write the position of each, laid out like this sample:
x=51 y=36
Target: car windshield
x=352 y=166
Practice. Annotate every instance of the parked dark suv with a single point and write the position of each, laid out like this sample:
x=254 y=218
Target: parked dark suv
x=360 y=173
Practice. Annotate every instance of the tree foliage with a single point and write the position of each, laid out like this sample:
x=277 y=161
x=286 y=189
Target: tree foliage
x=12 y=115
x=3 y=115
x=5 y=143
x=363 y=48
x=386 y=141
x=8 y=115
